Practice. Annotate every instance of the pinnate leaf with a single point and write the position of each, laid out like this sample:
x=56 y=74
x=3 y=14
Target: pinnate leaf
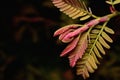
x=103 y=42
x=109 y=30
x=73 y=8
x=66 y=28
x=106 y=37
x=85 y=17
x=99 y=46
x=79 y=50
x=70 y=46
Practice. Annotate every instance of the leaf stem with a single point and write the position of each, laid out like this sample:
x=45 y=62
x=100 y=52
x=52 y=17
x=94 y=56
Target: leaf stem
x=98 y=36
x=112 y=4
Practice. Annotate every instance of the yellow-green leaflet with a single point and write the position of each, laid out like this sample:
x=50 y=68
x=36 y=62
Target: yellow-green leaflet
x=106 y=37
x=116 y=2
x=97 y=52
x=85 y=17
x=73 y=10
x=109 y=2
x=95 y=31
x=89 y=67
x=103 y=42
x=99 y=46
x=85 y=73
x=109 y=30
x=92 y=62
x=95 y=58
x=65 y=8
x=93 y=36
x=113 y=2
x=78 y=15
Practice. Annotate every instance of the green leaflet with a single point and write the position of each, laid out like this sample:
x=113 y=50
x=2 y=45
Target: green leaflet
x=109 y=30
x=86 y=74
x=78 y=15
x=92 y=41
x=98 y=41
x=89 y=67
x=95 y=58
x=69 y=11
x=81 y=65
x=85 y=17
x=109 y=2
x=98 y=27
x=92 y=62
x=103 y=43
x=106 y=37
x=116 y=2
x=74 y=11
x=97 y=52
x=93 y=36
x=65 y=8
x=99 y=46
x=113 y=2
x=95 y=31
x=83 y=72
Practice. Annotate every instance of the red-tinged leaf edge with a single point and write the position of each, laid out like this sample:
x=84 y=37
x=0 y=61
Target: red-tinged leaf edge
x=65 y=28
x=70 y=47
